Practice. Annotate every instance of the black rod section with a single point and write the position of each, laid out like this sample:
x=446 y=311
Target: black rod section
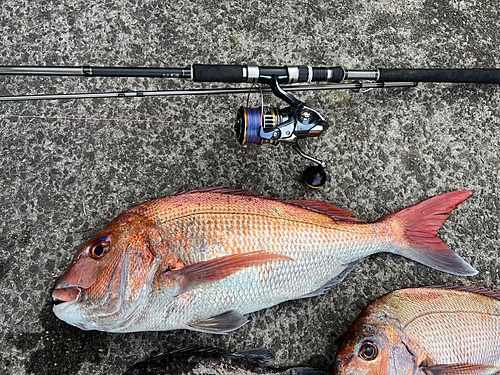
x=440 y=75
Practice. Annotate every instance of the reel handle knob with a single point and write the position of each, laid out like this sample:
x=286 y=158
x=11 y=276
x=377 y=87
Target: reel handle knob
x=314 y=176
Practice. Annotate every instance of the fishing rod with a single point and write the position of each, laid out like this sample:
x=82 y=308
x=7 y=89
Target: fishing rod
x=263 y=125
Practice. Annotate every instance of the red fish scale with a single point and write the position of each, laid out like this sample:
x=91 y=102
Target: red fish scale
x=200 y=227
x=198 y=222
x=451 y=326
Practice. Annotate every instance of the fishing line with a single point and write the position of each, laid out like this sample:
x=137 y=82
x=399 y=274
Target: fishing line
x=261 y=93
x=114 y=119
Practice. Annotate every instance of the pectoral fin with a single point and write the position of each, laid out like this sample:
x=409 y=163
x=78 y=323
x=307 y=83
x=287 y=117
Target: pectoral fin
x=459 y=369
x=217 y=269
x=223 y=323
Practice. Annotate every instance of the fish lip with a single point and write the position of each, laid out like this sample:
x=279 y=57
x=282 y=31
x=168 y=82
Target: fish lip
x=66 y=295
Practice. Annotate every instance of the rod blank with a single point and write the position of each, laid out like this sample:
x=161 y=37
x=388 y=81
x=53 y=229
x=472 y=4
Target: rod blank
x=96 y=71
x=231 y=90
x=286 y=74
x=440 y=75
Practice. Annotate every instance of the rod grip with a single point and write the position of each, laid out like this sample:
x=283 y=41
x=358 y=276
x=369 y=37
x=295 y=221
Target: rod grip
x=440 y=75
x=217 y=73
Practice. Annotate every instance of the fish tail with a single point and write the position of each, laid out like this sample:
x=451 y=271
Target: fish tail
x=415 y=228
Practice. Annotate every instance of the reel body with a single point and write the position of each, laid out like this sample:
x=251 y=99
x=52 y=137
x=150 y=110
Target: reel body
x=271 y=125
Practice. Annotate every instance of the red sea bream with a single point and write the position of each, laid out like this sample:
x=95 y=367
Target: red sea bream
x=202 y=259
x=425 y=331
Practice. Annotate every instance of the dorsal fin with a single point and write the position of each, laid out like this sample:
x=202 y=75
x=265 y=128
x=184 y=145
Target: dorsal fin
x=224 y=190
x=324 y=208
x=482 y=291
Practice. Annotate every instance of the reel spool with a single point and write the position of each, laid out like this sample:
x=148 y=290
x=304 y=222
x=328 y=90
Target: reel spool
x=249 y=121
x=271 y=125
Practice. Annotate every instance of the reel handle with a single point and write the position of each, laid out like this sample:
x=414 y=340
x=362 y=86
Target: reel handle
x=314 y=176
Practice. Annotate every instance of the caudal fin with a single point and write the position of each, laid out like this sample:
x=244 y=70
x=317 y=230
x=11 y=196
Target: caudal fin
x=417 y=228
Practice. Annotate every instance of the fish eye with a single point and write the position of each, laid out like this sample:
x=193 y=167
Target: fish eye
x=99 y=249
x=368 y=351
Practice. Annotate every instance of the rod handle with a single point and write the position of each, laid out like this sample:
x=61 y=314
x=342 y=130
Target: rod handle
x=287 y=74
x=217 y=73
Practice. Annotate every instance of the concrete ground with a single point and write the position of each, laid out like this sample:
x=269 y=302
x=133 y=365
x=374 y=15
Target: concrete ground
x=68 y=167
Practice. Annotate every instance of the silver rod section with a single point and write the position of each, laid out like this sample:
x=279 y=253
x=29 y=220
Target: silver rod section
x=243 y=90
x=28 y=70
x=96 y=71
x=362 y=74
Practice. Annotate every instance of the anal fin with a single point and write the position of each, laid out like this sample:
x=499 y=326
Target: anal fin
x=223 y=323
x=336 y=280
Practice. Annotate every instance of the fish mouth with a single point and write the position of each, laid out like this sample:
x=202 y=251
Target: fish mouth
x=66 y=304
x=66 y=295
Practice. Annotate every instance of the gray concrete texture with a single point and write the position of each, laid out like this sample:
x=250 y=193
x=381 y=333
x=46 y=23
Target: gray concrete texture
x=68 y=167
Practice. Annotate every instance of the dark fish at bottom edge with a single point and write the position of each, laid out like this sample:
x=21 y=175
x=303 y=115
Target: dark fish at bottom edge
x=215 y=361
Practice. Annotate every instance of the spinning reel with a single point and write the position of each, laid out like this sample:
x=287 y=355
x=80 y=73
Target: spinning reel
x=270 y=125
